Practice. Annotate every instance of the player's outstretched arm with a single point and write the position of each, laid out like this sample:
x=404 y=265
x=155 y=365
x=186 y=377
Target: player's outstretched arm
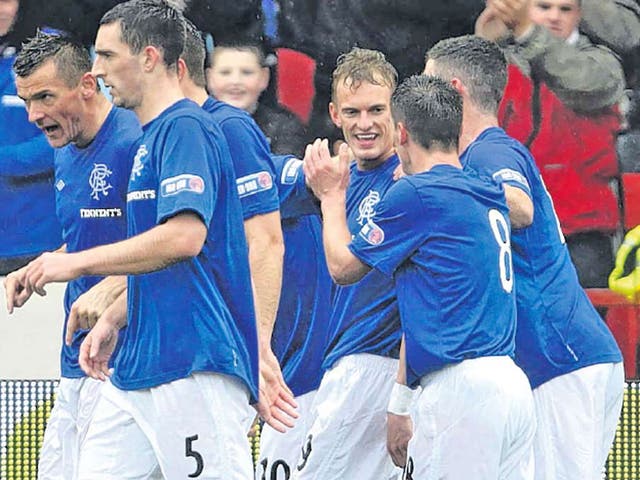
x=100 y=342
x=179 y=238
x=399 y=424
x=329 y=181
x=90 y=306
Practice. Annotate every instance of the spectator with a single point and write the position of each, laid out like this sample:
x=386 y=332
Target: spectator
x=238 y=75
x=28 y=222
x=561 y=102
x=402 y=30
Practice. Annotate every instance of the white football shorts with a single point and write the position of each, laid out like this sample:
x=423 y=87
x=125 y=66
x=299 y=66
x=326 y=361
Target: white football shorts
x=348 y=436
x=194 y=427
x=473 y=420
x=577 y=418
x=76 y=400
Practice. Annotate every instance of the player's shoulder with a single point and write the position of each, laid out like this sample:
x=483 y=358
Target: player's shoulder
x=185 y=115
x=126 y=126
x=225 y=113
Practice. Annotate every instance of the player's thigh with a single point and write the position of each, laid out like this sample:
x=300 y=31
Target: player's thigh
x=577 y=415
x=115 y=447
x=58 y=455
x=197 y=427
x=348 y=436
x=463 y=420
x=279 y=452
x=88 y=399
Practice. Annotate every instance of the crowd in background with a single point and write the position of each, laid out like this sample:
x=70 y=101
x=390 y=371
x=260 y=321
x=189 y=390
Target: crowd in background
x=574 y=99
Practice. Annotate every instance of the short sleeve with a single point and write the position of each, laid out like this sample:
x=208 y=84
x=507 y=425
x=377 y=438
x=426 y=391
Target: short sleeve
x=395 y=232
x=187 y=171
x=503 y=163
x=252 y=165
x=296 y=199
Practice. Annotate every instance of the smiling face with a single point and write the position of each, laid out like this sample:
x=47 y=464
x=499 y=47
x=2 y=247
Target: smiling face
x=560 y=17
x=8 y=15
x=237 y=78
x=364 y=115
x=120 y=69
x=52 y=105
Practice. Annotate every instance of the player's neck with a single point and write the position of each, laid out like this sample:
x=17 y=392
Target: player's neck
x=425 y=160
x=194 y=92
x=160 y=93
x=95 y=114
x=474 y=122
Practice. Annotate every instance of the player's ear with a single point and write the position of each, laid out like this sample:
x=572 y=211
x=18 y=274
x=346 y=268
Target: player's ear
x=88 y=85
x=150 y=57
x=182 y=69
x=402 y=135
x=333 y=113
x=457 y=84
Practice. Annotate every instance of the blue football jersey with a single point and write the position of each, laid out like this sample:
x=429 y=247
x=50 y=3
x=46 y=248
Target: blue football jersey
x=91 y=195
x=197 y=314
x=365 y=317
x=444 y=237
x=559 y=331
x=300 y=331
x=251 y=158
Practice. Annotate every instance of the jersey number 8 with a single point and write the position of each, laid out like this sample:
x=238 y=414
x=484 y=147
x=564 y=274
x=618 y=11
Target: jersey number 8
x=500 y=229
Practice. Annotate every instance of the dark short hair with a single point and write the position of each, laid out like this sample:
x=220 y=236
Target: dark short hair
x=479 y=63
x=71 y=59
x=431 y=110
x=363 y=65
x=194 y=54
x=149 y=22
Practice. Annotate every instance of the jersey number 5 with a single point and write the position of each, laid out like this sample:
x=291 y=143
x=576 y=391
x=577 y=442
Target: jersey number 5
x=190 y=452
x=500 y=229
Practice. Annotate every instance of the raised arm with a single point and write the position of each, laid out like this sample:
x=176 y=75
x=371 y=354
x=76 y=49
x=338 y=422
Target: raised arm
x=329 y=180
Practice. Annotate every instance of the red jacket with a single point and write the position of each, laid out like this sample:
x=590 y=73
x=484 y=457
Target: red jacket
x=575 y=153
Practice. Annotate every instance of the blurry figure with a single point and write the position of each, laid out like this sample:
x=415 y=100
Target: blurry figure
x=28 y=222
x=238 y=75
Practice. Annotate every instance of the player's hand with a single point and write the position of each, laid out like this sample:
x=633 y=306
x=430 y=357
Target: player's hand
x=89 y=306
x=276 y=404
x=325 y=175
x=399 y=432
x=51 y=267
x=489 y=25
x=96 y=350
x=398 y=172
x=98 y=346
x=16 y=289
